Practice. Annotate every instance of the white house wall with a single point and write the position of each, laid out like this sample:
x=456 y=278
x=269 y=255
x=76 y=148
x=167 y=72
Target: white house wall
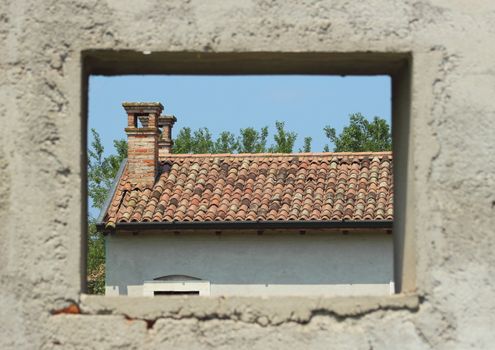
x=245 y=263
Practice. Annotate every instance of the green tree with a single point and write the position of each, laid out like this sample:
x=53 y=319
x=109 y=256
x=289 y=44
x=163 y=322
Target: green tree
x=361 y=135
x=252 y=141
x=307 y=144
x=95 y=259
x=284 y=141
x=197 y=141
x=202 y=141
x=249 y=140
x=225 y=143
x=101 y=169
x=183 y=143
x=101 y=174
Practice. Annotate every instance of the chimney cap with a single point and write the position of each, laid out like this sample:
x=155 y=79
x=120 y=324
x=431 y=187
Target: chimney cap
x=166 y=119
x=143 y=107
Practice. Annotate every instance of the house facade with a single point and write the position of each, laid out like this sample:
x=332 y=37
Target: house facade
x=245 y=224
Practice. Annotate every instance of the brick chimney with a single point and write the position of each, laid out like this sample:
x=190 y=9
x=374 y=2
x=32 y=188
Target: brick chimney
x=142 y=140
x=165 y=143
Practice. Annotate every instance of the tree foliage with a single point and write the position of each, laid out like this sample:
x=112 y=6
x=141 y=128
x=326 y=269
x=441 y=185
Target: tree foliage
x=183 y=143
x=249 y=140
x=95 y=260
x=284 y=141
x=361 y=135
x=252 y=140
x=101 y=169
x=101 y=174
x=225 y=143
x=202 y=141
x=307 y=144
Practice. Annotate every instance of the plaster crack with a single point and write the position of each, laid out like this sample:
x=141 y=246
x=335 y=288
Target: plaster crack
x=340 y=309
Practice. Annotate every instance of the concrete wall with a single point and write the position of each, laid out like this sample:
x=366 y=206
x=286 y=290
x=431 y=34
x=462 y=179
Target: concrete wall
x=450 y=173
x=248 y=264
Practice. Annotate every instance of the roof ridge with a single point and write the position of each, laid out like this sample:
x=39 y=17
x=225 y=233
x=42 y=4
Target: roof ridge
x=264 y=155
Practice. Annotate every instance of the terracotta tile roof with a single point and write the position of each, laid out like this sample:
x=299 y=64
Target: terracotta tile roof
x=260 y=187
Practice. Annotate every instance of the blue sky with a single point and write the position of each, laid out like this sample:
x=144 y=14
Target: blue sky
x=305 y=103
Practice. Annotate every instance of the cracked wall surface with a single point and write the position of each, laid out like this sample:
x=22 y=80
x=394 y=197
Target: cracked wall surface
x=452 y=177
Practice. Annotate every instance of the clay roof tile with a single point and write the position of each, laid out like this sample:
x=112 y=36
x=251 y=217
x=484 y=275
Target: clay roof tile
x=249 y=187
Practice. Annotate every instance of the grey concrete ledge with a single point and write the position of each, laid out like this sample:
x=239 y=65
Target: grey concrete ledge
x=264 y=311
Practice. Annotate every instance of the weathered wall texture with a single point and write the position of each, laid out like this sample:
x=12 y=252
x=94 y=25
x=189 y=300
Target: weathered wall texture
x=248 y=264
x=453 y=172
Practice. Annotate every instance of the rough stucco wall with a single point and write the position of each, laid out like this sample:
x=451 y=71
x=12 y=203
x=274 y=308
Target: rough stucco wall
x=452 y=43
x=245 y=263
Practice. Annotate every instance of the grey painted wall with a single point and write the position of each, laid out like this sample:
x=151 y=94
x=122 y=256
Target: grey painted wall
x=451 y=172
x=249 y=264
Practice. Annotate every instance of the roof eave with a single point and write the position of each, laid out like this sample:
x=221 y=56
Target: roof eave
x=251 y=225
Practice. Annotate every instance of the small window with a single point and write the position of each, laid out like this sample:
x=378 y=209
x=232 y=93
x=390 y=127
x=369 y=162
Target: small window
x=175 y=285
x=161 y=292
